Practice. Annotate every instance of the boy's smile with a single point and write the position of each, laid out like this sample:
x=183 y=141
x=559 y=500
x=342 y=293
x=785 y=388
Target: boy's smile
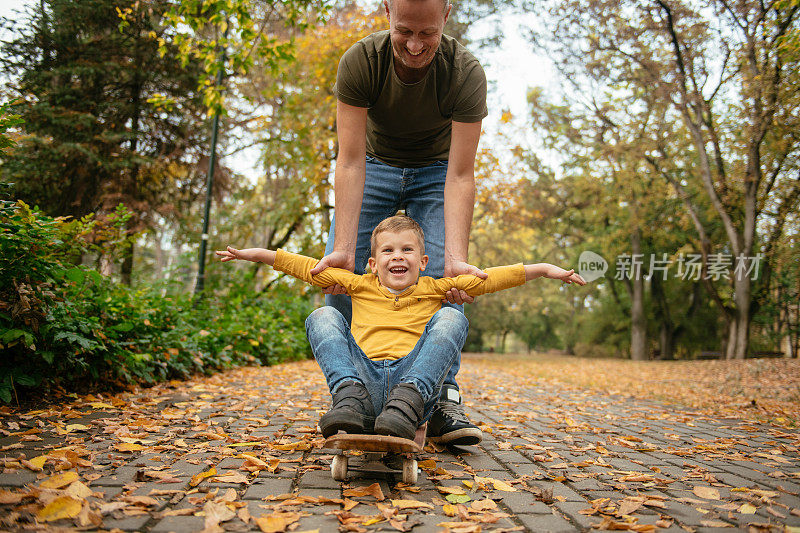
x=398 y=259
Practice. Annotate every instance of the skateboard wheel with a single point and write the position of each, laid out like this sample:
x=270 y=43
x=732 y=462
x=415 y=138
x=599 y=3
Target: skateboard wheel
x=339 y=467
x=410 y=471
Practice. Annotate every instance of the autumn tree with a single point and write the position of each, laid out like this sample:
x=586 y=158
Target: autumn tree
x=91 y=141
x=727 y=74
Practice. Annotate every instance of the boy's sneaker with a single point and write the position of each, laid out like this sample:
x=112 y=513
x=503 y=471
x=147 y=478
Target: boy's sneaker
x=449 y=423
x=402 y=413
x=351 y=411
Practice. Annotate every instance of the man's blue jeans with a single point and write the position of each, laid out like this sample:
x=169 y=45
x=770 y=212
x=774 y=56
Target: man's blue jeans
x=387 y=189
x=426 y=366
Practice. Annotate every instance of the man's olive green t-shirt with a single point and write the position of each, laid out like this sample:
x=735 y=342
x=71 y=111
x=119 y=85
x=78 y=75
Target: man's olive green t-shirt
x=409 y=125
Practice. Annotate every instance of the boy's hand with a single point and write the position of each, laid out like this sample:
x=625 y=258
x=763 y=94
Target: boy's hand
x=257 y=255
x=567 y=276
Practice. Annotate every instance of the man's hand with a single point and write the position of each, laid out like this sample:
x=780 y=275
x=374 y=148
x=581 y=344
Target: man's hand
x=337 y=260
x=456 y=268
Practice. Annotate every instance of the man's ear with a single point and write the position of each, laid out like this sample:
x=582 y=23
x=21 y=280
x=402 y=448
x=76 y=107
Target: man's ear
x=386 y=6
x=447 y=13
x=373 y=265
x=423 y=262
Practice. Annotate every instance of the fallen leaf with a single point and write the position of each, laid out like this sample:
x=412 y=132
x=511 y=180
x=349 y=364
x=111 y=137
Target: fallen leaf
x=6 y=496
x=78 y=490
x=231 y=477
x=276 y=522
x=451 y=490
x=411 y=504
x=216 y=513
x=128 y=447
x=709 y=493
x=59 y=480
x=60 y=507
x=747 y=508
x=502 y=486
x=457 y=498
x=197 y=478
x=483 y=505
x=372 y=490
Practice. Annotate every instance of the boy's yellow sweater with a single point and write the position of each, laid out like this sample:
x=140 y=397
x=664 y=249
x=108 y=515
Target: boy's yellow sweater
x=386 y=325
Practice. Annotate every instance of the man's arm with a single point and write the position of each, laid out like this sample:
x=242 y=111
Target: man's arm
x=459 y=200
x=351 y=129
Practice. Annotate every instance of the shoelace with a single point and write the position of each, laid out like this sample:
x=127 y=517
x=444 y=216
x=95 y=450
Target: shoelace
x=454 y=410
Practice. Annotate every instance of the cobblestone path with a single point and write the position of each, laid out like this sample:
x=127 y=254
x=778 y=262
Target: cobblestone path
x=239 y=451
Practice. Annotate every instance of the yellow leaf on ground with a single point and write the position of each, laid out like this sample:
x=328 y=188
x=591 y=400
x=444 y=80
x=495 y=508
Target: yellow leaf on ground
x=502 y=485
x=197 y=478
x=231 y=477
x=39 y=461
x=59 y=480
x=450 y=510
x=483 y=505
x=78 y=490
x=427 y=464
x=709 y=493
x=748 y=508
x=276 y=522
x=61 y=507
x=128 y=447
x=411 y=504
x=451 y=490
x=77 y=427
x=100 y=405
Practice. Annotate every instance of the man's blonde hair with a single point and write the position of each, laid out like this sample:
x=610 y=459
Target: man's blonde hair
x=396 y=224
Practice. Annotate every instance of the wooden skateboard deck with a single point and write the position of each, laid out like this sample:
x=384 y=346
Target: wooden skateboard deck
x=379 y=445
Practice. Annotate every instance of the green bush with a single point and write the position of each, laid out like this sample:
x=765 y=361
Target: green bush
x=67 y=325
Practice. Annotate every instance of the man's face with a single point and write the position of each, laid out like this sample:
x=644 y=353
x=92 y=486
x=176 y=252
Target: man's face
x=398 y=259
x=416 y=29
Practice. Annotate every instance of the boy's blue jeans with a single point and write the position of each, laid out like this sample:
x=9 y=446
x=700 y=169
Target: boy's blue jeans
x=420 y=191
x=426 y=366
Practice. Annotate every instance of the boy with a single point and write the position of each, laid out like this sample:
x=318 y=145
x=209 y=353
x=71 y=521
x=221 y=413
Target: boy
x=393 y=359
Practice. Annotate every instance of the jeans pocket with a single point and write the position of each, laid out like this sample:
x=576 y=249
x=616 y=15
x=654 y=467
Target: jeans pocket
x=440 y=163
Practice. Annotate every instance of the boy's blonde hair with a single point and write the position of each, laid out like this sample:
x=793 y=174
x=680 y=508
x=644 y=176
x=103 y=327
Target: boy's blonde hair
x=396 y=224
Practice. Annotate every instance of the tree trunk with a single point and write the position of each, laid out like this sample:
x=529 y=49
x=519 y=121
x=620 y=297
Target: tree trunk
x=667 y=329
x=126 y=269
x=638 y=317
x=740 y=336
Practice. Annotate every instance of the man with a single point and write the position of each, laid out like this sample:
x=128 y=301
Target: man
x=410 y=102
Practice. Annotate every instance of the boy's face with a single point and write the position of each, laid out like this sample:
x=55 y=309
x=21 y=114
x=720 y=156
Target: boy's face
x=398 y=259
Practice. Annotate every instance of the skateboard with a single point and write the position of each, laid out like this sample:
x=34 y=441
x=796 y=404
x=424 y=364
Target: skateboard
x=377 y=449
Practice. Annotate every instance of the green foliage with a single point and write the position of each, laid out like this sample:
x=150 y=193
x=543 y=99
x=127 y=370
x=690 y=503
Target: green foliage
x=89 y=139
x=8 y=120
x=247 y=31
x=66 y=325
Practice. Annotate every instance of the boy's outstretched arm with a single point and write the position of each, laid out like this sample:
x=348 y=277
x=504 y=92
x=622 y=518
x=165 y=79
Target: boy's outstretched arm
x=256 y=255
x=546 y=270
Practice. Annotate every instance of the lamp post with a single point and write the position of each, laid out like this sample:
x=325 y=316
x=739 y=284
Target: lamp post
x=201 y=268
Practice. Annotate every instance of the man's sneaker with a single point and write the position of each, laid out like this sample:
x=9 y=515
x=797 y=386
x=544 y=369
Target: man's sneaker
x=402 y=413
x=351 y=411
x=449 y=423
